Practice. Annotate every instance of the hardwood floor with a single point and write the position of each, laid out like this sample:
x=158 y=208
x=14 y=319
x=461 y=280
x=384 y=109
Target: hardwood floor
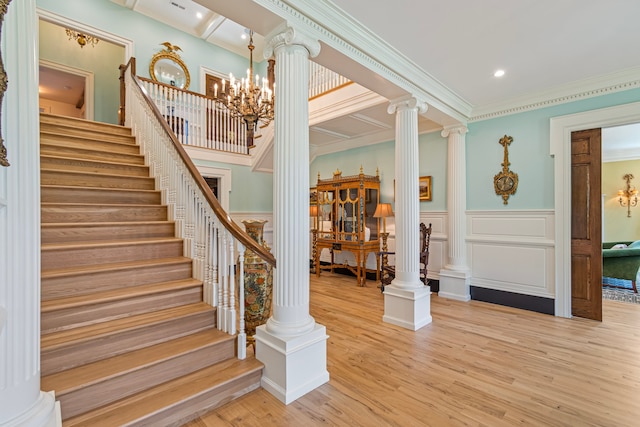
x=477 y=364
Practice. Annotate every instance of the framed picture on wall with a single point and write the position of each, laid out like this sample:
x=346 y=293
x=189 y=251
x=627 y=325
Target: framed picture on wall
x=425 y=188
x=313 y=196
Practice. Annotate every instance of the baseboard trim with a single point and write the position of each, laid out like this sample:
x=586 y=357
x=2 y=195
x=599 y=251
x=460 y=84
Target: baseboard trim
x=512 y=299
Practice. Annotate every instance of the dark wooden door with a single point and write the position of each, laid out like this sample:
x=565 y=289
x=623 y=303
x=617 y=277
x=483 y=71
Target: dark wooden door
x=586 y=225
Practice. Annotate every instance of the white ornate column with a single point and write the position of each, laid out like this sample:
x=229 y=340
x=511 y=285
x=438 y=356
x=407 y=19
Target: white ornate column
x=406 y=300
x=454 y=277
x=21 y=401
x=291 y=345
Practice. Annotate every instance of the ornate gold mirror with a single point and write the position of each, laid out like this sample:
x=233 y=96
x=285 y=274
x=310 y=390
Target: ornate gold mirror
x=167 y=67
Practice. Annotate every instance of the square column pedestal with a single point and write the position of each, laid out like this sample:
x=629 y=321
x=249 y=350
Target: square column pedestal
x=408 y=308
x=293 y=366
x=454 y=285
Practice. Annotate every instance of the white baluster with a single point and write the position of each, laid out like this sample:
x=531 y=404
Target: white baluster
x=242 y=335
x=231 y=314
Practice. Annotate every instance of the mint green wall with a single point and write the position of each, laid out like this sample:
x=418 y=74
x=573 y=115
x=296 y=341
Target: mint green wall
x=147 y=35
x=432 y=151
x=617 y=227
x=251 y=192
x=102 y=60
x=528 y=154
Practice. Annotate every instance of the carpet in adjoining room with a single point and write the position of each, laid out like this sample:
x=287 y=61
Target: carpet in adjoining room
x=617 y=294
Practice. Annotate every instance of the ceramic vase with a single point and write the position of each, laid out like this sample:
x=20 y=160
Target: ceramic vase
x=258 y=282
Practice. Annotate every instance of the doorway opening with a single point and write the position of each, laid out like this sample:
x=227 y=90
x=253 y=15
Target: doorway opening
x=65 y=91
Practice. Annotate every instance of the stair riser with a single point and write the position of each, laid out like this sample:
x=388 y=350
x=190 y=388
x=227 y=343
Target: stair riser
x=102 y=196
x=83 y=352
x=83 y=284
x=96 y=232
x=88 y=144
x=194 y=406
x=95 y=255
x=123 y=136
x=74 y=214
x=119 y=387
x=80 y=124
x=57 y=320
x=53 y=177
x=85 y=153
x=76 y=165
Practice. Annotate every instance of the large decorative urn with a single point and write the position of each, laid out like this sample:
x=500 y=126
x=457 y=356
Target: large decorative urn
x=258 y=282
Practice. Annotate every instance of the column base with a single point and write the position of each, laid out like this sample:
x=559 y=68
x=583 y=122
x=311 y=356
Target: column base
x=293 y=366
x=454 y=285
x=44 y=413
x=407 y=308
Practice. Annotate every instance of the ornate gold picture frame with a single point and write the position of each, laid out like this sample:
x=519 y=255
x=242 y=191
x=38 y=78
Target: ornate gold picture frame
x=425 y=188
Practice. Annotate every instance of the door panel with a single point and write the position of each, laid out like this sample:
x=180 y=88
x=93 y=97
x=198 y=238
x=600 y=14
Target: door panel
x=586 y=232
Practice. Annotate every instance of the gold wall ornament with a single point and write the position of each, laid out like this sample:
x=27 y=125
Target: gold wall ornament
x=4 y=4
x=167 y=67
x=505 y=182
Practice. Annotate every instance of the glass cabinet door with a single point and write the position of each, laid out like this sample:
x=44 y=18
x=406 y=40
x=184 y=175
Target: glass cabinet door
x=326 y=206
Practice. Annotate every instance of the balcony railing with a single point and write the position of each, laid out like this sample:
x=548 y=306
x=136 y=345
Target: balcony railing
x=322 y=80
x=197 y=120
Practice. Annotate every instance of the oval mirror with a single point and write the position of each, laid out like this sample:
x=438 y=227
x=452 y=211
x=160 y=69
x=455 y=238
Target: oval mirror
x=167 y=67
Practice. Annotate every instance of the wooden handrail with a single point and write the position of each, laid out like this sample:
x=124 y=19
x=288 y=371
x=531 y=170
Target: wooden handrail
x=222 y=215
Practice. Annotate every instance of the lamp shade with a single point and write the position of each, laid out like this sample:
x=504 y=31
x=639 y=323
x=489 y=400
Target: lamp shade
x=313 y=210
x=383 y=210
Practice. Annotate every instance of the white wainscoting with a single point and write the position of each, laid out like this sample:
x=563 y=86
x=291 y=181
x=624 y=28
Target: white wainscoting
x=512 y=251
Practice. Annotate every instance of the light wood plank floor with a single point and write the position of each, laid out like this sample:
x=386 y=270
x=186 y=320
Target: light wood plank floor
x=477 y=364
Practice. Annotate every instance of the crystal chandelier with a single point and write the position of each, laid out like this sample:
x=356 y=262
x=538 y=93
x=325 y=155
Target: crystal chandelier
x=246 y=99
x=82 y=39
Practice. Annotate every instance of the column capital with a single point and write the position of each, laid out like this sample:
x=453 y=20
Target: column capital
x=288 y=35
x=459 y=129
x=407 y=103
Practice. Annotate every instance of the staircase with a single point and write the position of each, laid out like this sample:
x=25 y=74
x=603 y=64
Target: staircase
x=126 y=337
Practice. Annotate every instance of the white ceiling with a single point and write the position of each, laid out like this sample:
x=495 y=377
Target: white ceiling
x=544 y=46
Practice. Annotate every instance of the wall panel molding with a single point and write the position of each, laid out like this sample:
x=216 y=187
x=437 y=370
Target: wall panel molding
x=512 y=251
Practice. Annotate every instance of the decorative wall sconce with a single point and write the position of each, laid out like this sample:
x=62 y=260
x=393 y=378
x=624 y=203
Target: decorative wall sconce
x=82 y=39
x=629 y=196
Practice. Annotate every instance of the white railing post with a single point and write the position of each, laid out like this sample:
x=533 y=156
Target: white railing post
x=242 y=335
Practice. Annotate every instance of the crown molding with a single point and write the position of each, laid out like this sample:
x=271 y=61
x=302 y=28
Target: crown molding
x=574 y=91
x=620 y=155
x=332 y=26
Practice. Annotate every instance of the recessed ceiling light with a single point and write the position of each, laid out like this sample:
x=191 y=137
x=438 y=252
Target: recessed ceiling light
x=498 y=73
x=243 y=37
x=199 y=15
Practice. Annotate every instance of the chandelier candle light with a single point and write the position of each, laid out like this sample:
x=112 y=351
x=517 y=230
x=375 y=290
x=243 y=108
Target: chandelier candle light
x=248 y=100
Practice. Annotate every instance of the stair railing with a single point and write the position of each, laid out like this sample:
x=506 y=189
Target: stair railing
x=210 y=236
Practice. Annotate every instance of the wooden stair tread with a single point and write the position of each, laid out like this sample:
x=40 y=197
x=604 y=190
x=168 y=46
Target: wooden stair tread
x=101 y=224
x=96 y=174
x=77 y=122
x=107 y=244
x=92 y=206
x=90 y=161
x=116 y=294
x=59 y=339
x=72 y=379
x=91 y=136
x=77 y=187
x=165 y=395
x=88 y=269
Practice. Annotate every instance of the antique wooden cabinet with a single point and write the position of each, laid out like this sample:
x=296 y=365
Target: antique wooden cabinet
x=344 y=220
